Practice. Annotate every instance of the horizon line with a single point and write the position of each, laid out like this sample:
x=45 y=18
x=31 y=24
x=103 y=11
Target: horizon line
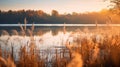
x=2 y=25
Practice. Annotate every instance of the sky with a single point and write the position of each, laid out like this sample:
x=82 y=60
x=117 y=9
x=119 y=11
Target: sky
x=62 y=6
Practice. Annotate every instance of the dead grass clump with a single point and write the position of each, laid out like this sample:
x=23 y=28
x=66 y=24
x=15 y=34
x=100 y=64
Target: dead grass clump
x=4 y=32
x=8 y=62
x=14 y=32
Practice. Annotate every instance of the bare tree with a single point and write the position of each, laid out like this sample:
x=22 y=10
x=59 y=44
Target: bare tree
x=115 y=6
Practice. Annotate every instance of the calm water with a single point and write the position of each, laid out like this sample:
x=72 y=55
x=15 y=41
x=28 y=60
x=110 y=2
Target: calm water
x=54 y=27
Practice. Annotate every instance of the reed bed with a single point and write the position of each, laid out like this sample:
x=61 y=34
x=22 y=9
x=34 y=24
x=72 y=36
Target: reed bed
x=87 y=48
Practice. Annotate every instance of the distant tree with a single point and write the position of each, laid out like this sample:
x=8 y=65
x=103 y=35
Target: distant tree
x=55 y=13
x=74 y=13
x=10 y=11
x=40 y=12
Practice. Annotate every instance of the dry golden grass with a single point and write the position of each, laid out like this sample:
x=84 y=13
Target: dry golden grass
x=76 y=57
x=8 y=62
x=102 y=49
x=86 y=53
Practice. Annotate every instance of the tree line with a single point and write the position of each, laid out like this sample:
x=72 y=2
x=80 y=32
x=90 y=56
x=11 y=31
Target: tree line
x=40 y=17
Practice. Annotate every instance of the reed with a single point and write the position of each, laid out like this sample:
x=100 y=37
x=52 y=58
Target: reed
x=89 y=48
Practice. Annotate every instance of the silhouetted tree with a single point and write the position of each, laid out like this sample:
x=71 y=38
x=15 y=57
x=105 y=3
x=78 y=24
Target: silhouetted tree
x=55 y=13
x=40 y=12
x=74 y=13
x=115 y=6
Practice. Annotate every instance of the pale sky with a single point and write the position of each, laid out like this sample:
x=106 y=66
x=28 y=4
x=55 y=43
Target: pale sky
x=61 y=6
